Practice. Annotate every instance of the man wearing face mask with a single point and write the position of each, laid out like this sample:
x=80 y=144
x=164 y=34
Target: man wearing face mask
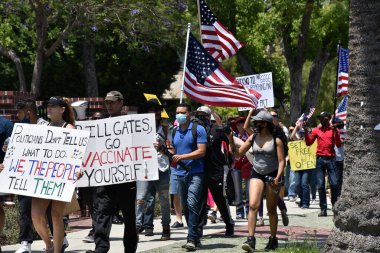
x=190 y=150
x=327 y=137
x=216 y=169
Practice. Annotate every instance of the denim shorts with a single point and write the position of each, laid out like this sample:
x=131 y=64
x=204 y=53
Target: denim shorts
x=174 y=187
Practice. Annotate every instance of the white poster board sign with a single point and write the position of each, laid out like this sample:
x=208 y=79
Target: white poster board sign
x=262 y=83
x=120 y=150
x=41 y=161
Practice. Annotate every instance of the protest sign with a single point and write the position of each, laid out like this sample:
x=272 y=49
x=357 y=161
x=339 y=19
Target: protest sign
x=302 y=157
x=41 y=161
x=120 y=150
x=148 y=97
x=262 y=83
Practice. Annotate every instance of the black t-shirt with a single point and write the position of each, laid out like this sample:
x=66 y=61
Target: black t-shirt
x=217 y=153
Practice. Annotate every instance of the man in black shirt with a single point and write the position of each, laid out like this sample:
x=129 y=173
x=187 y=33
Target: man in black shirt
x=216 y=169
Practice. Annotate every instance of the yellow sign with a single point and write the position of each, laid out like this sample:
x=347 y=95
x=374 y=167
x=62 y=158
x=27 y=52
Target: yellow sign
x=302 y=157
x=152 y=96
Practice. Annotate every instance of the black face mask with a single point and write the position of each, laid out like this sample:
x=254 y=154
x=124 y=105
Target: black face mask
x=259 y=127
x=325 y=122
x=203 y=118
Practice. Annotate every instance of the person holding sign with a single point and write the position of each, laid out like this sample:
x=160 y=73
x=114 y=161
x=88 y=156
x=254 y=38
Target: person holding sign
x=327 y=137
x=108 y=197
x=268 y=166
x=61 y=114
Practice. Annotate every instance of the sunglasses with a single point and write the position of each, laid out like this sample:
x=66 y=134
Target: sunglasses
x=275 y=115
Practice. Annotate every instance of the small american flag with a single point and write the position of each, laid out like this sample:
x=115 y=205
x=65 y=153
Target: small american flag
x=342 y=72
x=311 y=112
x=341 y=113
x=207 y=82
x=216 y=39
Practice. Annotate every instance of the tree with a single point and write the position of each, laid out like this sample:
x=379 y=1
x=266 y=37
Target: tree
x=356 y=213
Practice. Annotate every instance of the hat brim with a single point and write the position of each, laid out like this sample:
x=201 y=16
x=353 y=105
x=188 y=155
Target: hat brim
x=55 y=102
x=255 y=118
x=111 y=98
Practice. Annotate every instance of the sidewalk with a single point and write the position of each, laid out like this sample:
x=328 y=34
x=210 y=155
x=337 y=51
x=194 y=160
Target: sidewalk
x=304 y=224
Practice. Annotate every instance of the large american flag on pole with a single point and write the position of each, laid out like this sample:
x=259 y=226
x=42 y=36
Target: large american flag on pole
x=217 y=40
x=207 y=82
x=342 y=72
x=341 y=113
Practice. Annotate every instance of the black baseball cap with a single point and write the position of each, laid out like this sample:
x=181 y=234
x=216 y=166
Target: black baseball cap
x=324 y=114
x=56 y=100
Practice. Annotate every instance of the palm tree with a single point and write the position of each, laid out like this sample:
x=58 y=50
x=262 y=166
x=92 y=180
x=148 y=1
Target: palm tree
x=357 y=212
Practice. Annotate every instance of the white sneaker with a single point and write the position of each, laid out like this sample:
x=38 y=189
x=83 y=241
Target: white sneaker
x=65 y=244
x=24 y=248
x=298 y=200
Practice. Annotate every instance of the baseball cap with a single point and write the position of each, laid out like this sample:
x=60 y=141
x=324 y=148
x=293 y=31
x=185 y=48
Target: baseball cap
x=114 y=96
x=324 y=114
x=56 y=100
x=263 y=115
x=203 y=109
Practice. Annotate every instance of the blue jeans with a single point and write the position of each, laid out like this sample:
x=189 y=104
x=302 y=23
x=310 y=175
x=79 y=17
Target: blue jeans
x=146 y=191
x=339 y=175
x=190 y=188
x=313 y=184
x=289 y=181
x=326 y=164
x=302 y=180
x=238 y=185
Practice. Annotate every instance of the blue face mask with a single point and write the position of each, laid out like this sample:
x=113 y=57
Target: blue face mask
x=181 y=118
x=25 y=120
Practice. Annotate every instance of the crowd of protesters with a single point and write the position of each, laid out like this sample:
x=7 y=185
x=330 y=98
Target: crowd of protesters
x=205 y=153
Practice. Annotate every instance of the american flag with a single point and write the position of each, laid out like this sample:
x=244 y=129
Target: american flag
x=342 y=72
x=341 y=113
x=217 y=40
x=207 y=82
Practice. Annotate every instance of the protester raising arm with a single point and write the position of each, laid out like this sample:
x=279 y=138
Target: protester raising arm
x=247 y=126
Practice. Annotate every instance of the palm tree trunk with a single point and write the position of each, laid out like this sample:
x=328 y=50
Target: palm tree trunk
x=357 y=215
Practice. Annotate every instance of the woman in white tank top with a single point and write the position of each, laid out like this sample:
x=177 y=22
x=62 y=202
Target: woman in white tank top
x=268 y=161
x=61 y=114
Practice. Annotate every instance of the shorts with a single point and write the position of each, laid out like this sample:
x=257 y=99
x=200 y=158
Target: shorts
x=255 y=174
x=174 y=186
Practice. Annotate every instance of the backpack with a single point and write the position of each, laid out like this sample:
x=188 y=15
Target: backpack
x=194 y=127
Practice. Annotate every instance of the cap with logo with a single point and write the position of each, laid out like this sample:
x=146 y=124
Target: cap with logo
x=324 y=114
x=114 y=96
x=56 y=100
x=203 y=110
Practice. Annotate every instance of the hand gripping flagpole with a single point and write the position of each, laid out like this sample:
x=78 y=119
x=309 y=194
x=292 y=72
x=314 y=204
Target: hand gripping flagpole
x=185 y=60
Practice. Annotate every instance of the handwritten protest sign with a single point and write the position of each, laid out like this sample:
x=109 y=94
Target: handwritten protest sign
x=302 y=157
x=120 y=150
x=148 y=97
x=41 y=161
x=262 y=83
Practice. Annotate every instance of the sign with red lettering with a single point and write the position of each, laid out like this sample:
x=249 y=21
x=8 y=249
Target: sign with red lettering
x=41 y=161
x=120 y=150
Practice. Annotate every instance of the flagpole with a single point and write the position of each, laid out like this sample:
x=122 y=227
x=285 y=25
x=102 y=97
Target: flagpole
x=335 y=98
x=337 y=80
x=199 y=19
x=185 y=60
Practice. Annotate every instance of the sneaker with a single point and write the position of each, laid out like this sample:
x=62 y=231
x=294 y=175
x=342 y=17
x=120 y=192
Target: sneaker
x=89 y=239
x=292 y=199
x=165 y=233
x=250 y=244
x=298 y=200
x=149 y=232
x=198 y=245
x=177 y=225
x=230 y=230
x=190 y=246
x=65 y=244
x=285 y=218
x=24 y=248
x=117 y=220
x=304 y=207
x=323 y=213
x=260 y=222
x=212 y=217
x=239 y=216
x=272 y=243
x=313 y=202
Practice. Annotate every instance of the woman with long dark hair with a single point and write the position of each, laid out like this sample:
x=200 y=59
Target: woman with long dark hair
x=61 y=114
x=267 y=168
